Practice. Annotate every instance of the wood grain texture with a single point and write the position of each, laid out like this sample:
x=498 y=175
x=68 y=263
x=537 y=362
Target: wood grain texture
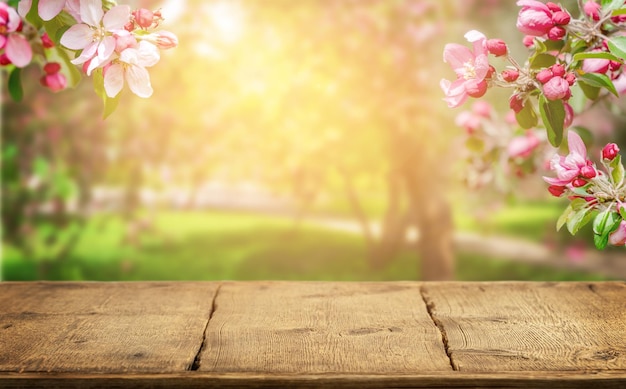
x=319 y=328
x=507 y=326
x=102 y=327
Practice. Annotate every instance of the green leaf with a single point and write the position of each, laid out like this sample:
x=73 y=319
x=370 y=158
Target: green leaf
x=553 y=116
x=622 y=212
x=58 y=25
x=610 y=5
x=110 y=103
x=15 y=85
x=617 y=12
x=591 y=92
x=33 y=17
x=600 y=55
x=606 y=222
x=617 y=170
x=565 y=216
x=599 y=80
x=540 y=61
x=554 y=45
x=617 y=46
x=601 y=241
x=579 y=219
x=527 y=117
x=578 y=100
x=71 y=72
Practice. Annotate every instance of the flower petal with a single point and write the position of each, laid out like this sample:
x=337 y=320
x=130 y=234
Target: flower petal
x=576 y=144
x=24 y=7
x=88 y=53
x=139 y=81
x=48 y=9
x=77 y=37
x=147 y=54
x=114 y=80
x=116 y=18
x=91 y=12
x=18 y=50
x=457 y=55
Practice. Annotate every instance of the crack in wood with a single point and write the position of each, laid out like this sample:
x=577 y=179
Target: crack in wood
x=430 y=307
x=195 y=365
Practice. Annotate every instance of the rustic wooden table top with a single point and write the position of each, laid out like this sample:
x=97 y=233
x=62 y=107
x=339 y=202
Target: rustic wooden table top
x=307 y=334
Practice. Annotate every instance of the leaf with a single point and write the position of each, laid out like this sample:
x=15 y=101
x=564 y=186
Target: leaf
x=617 y=46
x=15 y=85
x=564 y=217
x=553 y=116
x=540 y=61
x=602 y=55
x=578 y=100
x=610 y=5
x=599 y=80
x=601 y=241
x=617 y=170
x=527 y=117
x=110 y=104
x=585 y=135
x=578 y=220
x=605 y=222
x=622 y=212
x=591 y=92
x=71 y=72
x=617 y=12
x=33 y=17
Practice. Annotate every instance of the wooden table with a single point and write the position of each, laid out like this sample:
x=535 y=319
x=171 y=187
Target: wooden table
x=307 y=334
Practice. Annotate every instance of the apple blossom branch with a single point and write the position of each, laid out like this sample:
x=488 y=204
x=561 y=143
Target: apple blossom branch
x=113 y=43
x=581 y=57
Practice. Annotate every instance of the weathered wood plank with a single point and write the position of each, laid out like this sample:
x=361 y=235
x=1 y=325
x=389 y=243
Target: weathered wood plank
x=317 y=328
x=496 y=327
x=102 y=327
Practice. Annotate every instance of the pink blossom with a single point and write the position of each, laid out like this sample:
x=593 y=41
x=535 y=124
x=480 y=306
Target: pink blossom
x=596 y=65
x=55 y=82
x=535 y=18
x=497 y=47
x=143 y=17
x=471 y=68
x=610 y=151
x=569 y=115
x=95 y=35
x=568 y=168
x=131 y=67
x=162 y=39
x=523 y=146
x=618 y=237
x=557 y=88
x=15 y=45
x=592 y=9
x=48 y=9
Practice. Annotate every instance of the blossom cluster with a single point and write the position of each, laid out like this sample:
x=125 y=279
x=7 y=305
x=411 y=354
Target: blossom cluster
x=569 y=57
x=114 y=41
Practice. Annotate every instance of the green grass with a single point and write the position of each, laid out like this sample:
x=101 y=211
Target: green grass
x=231 y=246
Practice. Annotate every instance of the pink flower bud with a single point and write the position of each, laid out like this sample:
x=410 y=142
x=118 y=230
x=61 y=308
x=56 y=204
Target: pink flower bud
x=143 y=17
x=46 y=41
x=510 y=75
x=556 y=89
x=556 y=190
x=166 y=40
x=534 y=19
x=588 y=172
x=124 y=40
x=558 y=70
x=570 y=78
x=592 y=9
x=516 y=103
x=4 y=60
x=55 y=82
x=561 y=18
x=477 y=90
x=490 y=72
x=544 y=75
x=528 y=41
x=614 y=65
x=556 y=33
x=497 y=47
x=596 y=65
x=554 y=7
x=569 y=115
x=579 y=182
x=523 y=146
x=610 y=151
x=52 y=67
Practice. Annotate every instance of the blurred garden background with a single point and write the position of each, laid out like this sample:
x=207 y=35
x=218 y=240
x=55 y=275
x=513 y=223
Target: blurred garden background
x=296 y=140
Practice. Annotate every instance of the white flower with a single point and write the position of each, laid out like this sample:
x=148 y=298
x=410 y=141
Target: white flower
x=131 y=66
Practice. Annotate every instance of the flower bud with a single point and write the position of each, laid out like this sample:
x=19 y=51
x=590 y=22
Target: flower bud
x=55 y=82
x=596 y=65
x=510 y=75
x=477 y=90
x=143 y=17
x=46 y=41
x=569 y=115
x=592 y=9
x=166 y=40
x=52 y=67
x=618 y=237
x=579 y=182
x=553 y=7
x=570 y=78
x=528 y=41
x=4 y=60
x=556 y=33
x=490 y=72
x=544 y=76
x=556 y=89
x=588 y=172
x=558 y=70
x=516 y=103
x=614 y=65
x=497 y=47
x=561 y=18
x=610 y=151
x=556 y=190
